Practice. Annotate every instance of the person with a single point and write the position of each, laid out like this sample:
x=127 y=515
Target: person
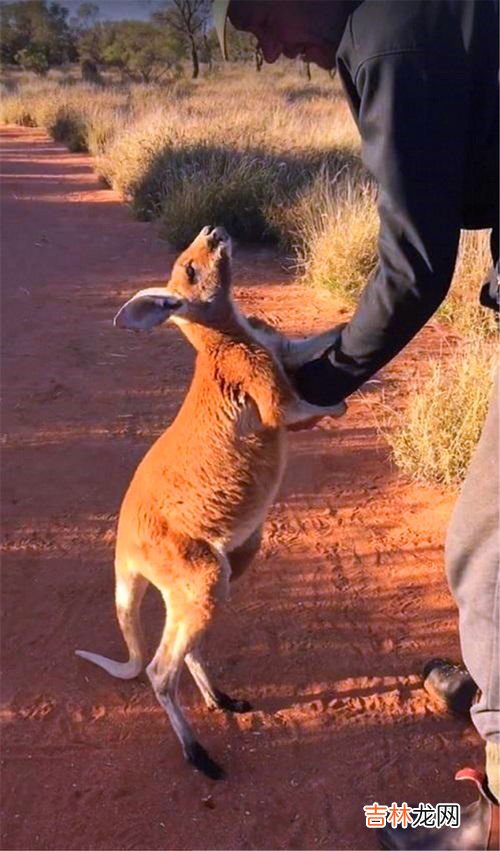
x=421 y=78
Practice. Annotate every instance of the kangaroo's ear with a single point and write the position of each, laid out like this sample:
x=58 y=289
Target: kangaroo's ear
x=146 y=309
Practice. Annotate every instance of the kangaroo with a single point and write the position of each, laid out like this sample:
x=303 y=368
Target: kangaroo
x=191 y=519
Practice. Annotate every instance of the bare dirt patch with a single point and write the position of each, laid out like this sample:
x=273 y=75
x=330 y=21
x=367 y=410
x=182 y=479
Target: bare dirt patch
x=326 y=633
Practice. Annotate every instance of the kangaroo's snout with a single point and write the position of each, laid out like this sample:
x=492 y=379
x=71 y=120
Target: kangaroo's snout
x=215 y=236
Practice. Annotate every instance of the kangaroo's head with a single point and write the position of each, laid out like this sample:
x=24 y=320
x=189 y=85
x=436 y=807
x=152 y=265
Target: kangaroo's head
x=198 y=289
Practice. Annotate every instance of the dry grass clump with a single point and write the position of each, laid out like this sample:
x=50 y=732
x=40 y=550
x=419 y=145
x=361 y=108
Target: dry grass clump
x=15 y=111
x=272 y=156
x=101 y=127
x=69 y=125
x=81 y=115
x=434 y=438
x=16 y=103
x=249 y=192
x=235 y=191
x=461 y=309
x=136 y=162
x=335 y=227
x=234 y=146
x=206 y=157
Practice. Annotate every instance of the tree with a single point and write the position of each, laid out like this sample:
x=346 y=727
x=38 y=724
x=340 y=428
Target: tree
x=91 y=42
x=243 y=47
x=35 y=33
x=85 y=29
x=86 y=17
x=33 y=58
x=140 y=49
x=259 y=57
x=186 y=18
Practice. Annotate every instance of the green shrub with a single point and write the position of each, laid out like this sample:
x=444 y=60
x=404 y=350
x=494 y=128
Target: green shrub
x=70 y=127
x=221 y=188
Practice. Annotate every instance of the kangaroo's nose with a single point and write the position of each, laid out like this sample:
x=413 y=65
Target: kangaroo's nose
x=208 y=230
x=217 y=235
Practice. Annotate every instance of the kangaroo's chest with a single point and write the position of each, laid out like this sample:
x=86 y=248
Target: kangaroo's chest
x=215 y=472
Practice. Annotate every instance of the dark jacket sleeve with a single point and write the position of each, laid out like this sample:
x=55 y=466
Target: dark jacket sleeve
x=413 y=109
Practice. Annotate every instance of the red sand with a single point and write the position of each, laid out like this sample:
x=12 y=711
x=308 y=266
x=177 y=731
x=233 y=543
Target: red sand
x=326 y=633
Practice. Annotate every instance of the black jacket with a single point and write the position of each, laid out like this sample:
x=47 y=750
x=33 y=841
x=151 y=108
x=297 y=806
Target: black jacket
x=421 y=77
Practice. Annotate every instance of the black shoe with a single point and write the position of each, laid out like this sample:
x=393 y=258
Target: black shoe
x=450 y=684
x=478 y=830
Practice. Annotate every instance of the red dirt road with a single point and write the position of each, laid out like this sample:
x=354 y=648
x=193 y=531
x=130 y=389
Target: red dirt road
x=325 y=634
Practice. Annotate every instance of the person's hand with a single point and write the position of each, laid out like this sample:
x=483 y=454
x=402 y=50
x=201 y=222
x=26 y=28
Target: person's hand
x=314 y=381
x=336 y=411
x=314 y=385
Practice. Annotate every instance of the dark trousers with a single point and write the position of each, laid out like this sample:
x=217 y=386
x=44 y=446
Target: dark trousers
x=472 y=566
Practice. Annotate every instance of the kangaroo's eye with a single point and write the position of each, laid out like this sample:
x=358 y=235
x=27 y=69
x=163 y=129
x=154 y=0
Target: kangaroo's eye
x=190 y=272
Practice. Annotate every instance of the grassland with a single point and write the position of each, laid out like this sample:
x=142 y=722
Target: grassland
x=274 y=158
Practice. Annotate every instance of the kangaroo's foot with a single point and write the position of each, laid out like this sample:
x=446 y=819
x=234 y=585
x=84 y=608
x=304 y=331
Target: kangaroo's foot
x=198 y=757
x=213 y=697
x=230 y=704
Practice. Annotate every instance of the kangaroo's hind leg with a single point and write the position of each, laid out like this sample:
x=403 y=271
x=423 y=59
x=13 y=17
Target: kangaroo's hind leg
x=200 y=580
x=129 y=592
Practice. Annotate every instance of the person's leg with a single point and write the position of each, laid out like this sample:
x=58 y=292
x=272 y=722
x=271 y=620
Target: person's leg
x=472 y=566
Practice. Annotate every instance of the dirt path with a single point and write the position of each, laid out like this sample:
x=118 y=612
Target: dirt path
x=325 y=634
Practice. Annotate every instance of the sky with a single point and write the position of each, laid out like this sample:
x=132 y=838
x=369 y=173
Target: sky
x=115 y=10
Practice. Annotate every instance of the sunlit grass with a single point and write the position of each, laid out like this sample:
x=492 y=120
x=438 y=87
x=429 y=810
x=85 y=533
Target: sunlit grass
x=241 y=144
x=272 y=157
x=462 y=309
x=434 y=437
x=335 y=226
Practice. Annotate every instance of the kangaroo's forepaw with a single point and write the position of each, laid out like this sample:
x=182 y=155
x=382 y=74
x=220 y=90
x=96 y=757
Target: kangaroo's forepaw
x=199 y=759
x=229 y=704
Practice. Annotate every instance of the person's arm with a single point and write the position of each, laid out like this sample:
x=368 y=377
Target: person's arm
x=413 y=122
